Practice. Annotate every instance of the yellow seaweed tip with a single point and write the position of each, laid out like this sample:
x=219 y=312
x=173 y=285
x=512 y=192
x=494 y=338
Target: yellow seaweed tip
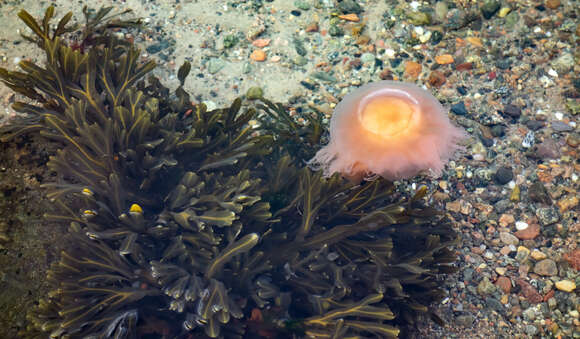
x=89 y=213
x=87 y=192
x=135 y=209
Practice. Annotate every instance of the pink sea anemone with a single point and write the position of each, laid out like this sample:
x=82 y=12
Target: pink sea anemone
x=392 y=129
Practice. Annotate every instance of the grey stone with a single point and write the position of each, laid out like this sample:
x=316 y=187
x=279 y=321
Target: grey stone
x=564 y=63
x=546 y=267
x=215 y=65
x=486 y=287
x=508 y=238
x=465 y=320
x=368 y=58
x=529 y=314
x=489 y=8
x=547 y=215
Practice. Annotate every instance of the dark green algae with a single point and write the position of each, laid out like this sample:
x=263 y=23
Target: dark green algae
x=189 y=223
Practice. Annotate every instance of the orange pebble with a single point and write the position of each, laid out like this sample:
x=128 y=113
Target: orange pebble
x=444 y=59
x=413 y=69
x=261 y=42
x=474 y=41
x=258 y=55
x=349 y=17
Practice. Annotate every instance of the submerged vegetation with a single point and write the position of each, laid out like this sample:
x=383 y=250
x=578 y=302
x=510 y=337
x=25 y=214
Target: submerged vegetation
x=189 y=223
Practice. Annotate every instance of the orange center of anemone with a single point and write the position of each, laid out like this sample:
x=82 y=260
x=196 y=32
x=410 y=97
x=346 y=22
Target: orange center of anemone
x=388 y=116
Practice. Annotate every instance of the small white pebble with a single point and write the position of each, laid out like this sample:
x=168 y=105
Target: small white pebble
x=528 y=139
x=511 y=184
x=574 y=177
x=390 y=53
x=414 y=5
x=478 y=157
x=469 y=174
x=17 y=60
x=552 y=73
x=559 y=115
x=521 y=225
x=538 y=29
x=425 y=37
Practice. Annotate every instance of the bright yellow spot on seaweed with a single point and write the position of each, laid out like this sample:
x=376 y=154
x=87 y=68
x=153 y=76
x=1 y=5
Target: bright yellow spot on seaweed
x=89 y=213
x=387 y=117
x=135 y=209
x=87 y=192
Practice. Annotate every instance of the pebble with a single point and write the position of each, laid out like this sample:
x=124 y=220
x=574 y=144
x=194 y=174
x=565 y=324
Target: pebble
x=569 y=202
x=564 y=63
x=436 y=79
x=506 y=220
x=529 y=292
x=566 y=285
x=503 y=175
x=474 y=41
x=538 y=255
x=508 y=238
x=260 y=43
x=485 y=287
x=459 y=108
x=548 y=149
x=529 y=314
x=349 y=17
x=560 y=126
x=503 y=12
x=547 y=215
x=531 y=330
x=312 y=27
x=214 y=65
x=465 y=320
x=512 y=110
x=367 y=58
x=419 y=18
x=528 y=140
x=303 y=5
x=512 y=19
x=538 y=193
x=529 y=233
x=573 y=139
x=441 y=10
x=552 y=4
x=335 y=30
x=504 y=284
x=546 y=267
x=412 y=69
x=258 y=55
x=254 y=93
x=522 y=254
x=444 y=59
x=349 y=6
x=489 y=8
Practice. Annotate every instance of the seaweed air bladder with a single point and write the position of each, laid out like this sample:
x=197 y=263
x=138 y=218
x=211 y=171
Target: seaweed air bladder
x=389 y=128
